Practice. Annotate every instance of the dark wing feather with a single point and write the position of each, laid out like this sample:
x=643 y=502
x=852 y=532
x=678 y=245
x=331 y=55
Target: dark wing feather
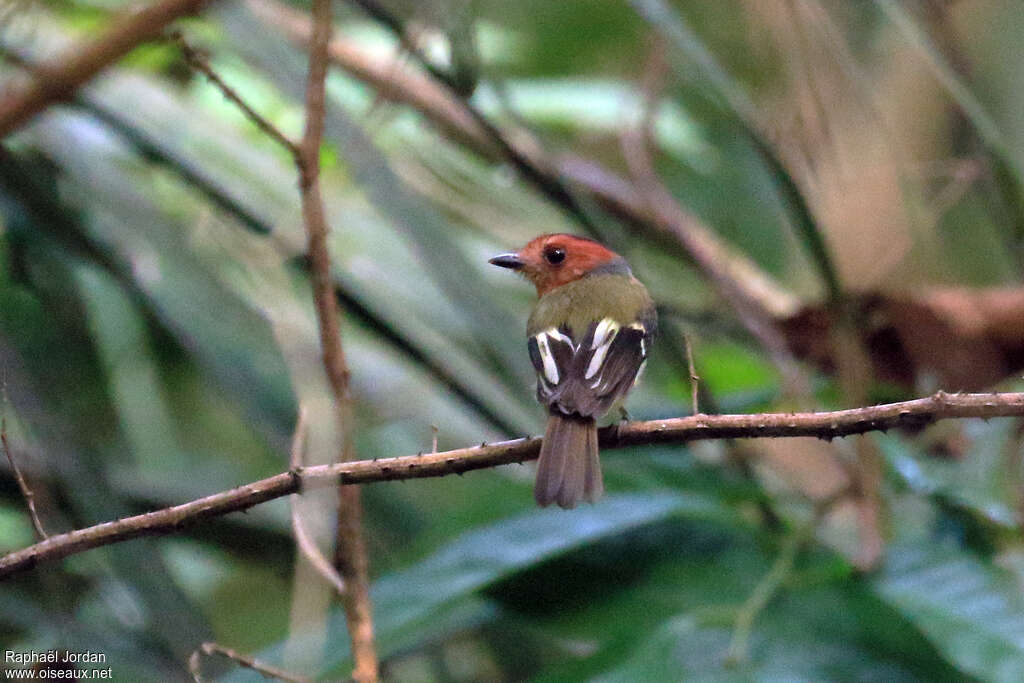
x=553 y=356
x=586 y=386
x=619 y=370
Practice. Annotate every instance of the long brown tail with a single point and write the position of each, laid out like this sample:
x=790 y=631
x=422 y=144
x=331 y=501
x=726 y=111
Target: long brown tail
x=569 y=470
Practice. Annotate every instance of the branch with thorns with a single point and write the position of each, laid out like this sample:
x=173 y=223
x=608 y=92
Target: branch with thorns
x=680 y=430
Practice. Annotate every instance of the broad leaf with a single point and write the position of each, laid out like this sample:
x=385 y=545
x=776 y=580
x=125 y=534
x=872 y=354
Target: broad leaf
x=972 y=612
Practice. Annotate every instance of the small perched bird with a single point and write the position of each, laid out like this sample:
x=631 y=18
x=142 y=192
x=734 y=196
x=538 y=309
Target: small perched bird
x=588 y=336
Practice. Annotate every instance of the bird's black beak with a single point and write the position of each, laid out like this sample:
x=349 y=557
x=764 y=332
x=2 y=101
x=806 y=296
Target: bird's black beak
x=511 y=261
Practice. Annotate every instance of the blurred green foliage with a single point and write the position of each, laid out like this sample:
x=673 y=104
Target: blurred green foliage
x=157 y=332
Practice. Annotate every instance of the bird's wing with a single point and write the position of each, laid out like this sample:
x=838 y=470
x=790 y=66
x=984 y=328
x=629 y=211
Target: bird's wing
x=586 y=376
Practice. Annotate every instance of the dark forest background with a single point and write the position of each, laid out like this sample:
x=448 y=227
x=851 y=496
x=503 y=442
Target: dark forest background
x=824 y=197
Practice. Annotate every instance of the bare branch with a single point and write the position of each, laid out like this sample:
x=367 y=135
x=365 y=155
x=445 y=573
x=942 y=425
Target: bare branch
x=210 y=649
x=350 y=555
x=680 y=430
x=60 y=77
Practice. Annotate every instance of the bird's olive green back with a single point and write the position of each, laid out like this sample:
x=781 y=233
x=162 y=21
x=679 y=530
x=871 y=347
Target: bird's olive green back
x=577 y=304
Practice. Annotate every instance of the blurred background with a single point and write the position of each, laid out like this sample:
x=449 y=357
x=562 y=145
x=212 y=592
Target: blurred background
x=825 y=197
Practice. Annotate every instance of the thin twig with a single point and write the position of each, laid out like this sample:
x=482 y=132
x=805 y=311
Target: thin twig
x=209 y=649
x=307 y=546
x=694 y=377
x=59 y=78
x=26 y=491
x=350 y=555
x=312 y=553
x=198 y=61
x=826 y=425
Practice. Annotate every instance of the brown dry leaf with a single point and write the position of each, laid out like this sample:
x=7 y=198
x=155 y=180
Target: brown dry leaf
x=965 y=339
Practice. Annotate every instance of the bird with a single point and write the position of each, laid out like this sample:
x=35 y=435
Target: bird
x=588 y=337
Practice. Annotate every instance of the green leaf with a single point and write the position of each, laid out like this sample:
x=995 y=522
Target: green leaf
x=657 y=659
x=977 y=481
x=971 y=611
x=482 y=557
x=675 y=623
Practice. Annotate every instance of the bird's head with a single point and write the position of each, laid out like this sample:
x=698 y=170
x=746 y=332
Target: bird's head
x=550 y=261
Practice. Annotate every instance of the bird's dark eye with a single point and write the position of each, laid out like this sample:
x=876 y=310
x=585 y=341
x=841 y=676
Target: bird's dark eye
x=554 y=255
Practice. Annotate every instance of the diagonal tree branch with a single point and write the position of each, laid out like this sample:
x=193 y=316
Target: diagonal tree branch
x=198 y=61
x=58 y=78
x=680 y=430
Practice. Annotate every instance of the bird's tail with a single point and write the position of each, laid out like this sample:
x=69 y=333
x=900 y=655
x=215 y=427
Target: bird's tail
x=569 y=470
